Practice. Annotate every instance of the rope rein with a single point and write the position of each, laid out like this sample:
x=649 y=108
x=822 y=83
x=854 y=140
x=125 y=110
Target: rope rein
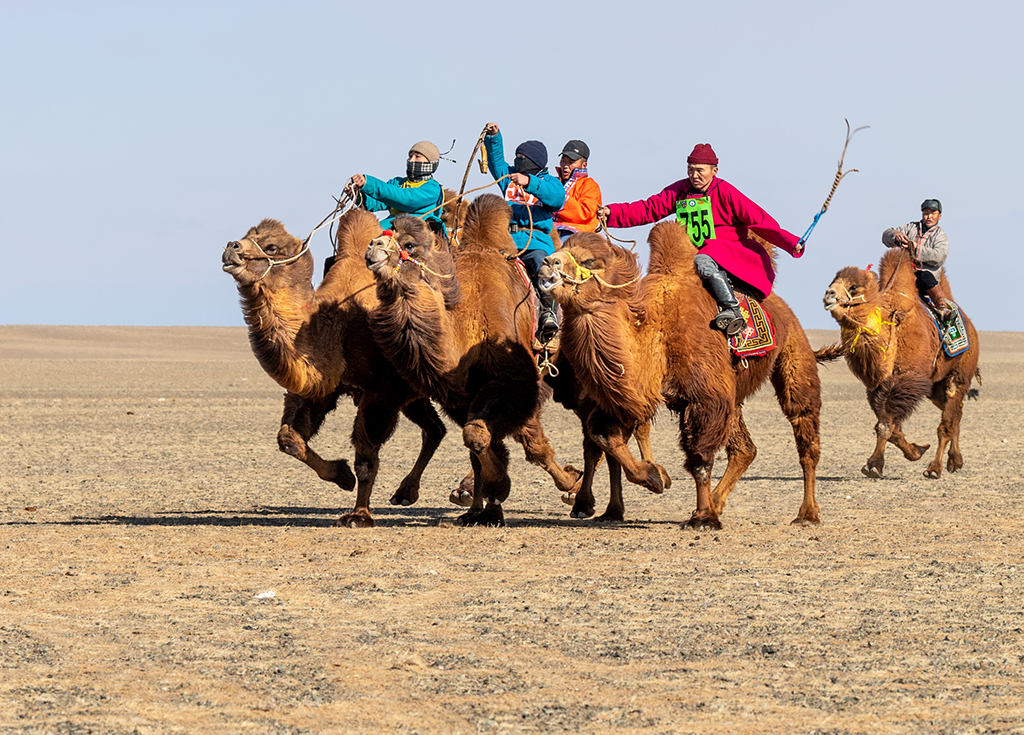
x=585 y=274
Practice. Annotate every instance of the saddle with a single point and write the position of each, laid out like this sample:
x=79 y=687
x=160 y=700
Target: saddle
x=952 y=333
x=758 y=336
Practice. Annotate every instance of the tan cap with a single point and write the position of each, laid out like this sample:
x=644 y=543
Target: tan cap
x=426 y=149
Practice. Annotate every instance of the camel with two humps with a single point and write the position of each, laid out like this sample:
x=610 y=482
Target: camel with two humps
x=638 y=343
x=891 y=344
x=457 y=325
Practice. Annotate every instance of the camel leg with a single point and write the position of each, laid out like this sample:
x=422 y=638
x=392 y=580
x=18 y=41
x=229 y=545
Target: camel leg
x=741 y=451
x=643 y=442
x=301 y=420
x=613 y=438
x=432 y=431
x=616 y=508
x=704 y=423
x=489 y=457
x=798 y=389
x=539 y=452
x=893 y=401
x=911 y=451
x=948 y=396
x=584 y=504
x=376 y=419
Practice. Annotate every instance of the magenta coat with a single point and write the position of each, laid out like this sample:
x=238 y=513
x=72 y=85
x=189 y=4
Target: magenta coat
x=735 y=218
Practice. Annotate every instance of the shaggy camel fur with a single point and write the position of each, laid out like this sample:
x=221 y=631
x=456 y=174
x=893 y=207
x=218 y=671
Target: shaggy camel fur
x=891 y=344
x=636 y=346
x=318 y=346
x=458 y=327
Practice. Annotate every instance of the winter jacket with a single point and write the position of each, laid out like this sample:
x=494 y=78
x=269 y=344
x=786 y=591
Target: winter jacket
x=736 y=218
x=537 y=201
x=582 y=200
x=401 y=196
x=930 y=247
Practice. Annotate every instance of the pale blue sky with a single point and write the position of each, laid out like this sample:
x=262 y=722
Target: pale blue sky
x=138 y=138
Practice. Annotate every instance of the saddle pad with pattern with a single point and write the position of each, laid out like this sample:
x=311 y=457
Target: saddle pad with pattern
x=953 y=334
x=758 y=336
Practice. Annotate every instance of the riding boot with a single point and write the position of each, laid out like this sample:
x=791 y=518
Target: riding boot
x=938 y=300
x=547 y=320
x=729 y=319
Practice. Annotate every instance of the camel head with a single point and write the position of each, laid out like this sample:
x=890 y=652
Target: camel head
x=588 y=268
x=269 y=254
x=412 y=254
x=851 y=287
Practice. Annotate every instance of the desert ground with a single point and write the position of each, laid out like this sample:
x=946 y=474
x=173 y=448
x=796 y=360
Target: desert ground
x=165 y=569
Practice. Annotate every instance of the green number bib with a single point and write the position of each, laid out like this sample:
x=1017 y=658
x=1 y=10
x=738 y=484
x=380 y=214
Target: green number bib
x=695 y=216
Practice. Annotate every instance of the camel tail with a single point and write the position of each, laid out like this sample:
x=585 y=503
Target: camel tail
x=973 y=393
x=830 y=353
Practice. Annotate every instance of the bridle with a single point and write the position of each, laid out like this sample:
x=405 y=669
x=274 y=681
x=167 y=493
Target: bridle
x=271 y=262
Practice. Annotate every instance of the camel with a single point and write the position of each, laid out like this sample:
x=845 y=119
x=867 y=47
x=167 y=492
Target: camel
x=458 y=327
x=635 y=344
x=891 y=344
x=317 y=345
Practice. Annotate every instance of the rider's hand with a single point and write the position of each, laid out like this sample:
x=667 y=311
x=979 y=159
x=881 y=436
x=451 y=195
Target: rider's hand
x=901 y=239
x=521 y=179
x=491 y=128
x=602 y=213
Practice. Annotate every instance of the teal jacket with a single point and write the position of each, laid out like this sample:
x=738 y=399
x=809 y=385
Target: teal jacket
x=549 y=192
x=398 y=196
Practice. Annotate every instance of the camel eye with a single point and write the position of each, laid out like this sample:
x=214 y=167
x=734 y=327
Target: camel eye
x=270 y=248
x=588 y=263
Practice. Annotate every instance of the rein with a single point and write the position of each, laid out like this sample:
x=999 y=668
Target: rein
x=603 y=221
x=405 y=256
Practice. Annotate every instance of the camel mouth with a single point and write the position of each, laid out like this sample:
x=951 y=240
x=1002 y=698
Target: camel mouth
x=549 y=282
x=831 y=303
x=376 y=255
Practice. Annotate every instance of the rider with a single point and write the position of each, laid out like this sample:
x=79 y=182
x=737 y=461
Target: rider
x=534 y=196
x=417 y=193
x=727 y=228
x=582 y=194
x=928 y=246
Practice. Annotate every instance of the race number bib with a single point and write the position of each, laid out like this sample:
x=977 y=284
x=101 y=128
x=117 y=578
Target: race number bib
x=695 y=216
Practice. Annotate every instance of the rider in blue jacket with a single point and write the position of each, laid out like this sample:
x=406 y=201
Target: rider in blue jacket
x=535 y=196
x=417 y=193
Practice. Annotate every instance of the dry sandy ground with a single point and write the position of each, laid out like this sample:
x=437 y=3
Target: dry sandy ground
x=146 y=515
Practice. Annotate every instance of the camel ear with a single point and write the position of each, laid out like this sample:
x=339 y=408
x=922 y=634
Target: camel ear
x=873 y=276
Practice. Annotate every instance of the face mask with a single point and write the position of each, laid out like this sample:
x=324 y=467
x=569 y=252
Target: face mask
x=420 y=169
x=525 y=166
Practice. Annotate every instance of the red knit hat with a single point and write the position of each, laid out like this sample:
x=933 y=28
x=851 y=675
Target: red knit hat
x=703 y=153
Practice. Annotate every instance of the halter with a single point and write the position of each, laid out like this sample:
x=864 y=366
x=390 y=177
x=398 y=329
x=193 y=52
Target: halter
x=585 y=274
x=405 y=256
x=271 y=262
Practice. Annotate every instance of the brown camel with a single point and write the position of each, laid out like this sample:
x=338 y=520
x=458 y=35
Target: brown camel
x=317 y=345
x=891 y=344
x=635 y=344
x=458 y=327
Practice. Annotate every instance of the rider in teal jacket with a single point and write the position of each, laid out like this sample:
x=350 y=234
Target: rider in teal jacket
x=535 y=196
x=416 y=193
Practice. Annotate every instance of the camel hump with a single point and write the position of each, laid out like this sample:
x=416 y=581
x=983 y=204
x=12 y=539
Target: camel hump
x=671 y=250
x=486 y=226
x=355 y=230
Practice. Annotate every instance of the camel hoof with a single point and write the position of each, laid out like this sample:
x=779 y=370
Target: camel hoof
x=461 y=497
x=489 y=516
x=581 y=513
x=919 y=450
x=955 y=464
x=703 y=520
x=569 y=498
x=874 y=473
x=342 y=475
x=932 y=474
x=405 y=496
x=607 y=517
x=805 y=522
x=356 y=519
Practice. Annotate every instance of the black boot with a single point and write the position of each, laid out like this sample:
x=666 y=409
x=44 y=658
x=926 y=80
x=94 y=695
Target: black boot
x=729 y=319
x=547 y=320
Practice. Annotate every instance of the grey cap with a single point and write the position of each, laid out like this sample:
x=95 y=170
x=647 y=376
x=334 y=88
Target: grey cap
x=932 y=204
x=576 y=149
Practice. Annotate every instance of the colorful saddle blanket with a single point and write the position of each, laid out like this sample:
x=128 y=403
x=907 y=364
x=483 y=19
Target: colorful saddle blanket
x=953 y=333
x=758 y=336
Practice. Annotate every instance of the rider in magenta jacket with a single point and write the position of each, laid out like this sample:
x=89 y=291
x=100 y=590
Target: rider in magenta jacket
x=739 y=225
